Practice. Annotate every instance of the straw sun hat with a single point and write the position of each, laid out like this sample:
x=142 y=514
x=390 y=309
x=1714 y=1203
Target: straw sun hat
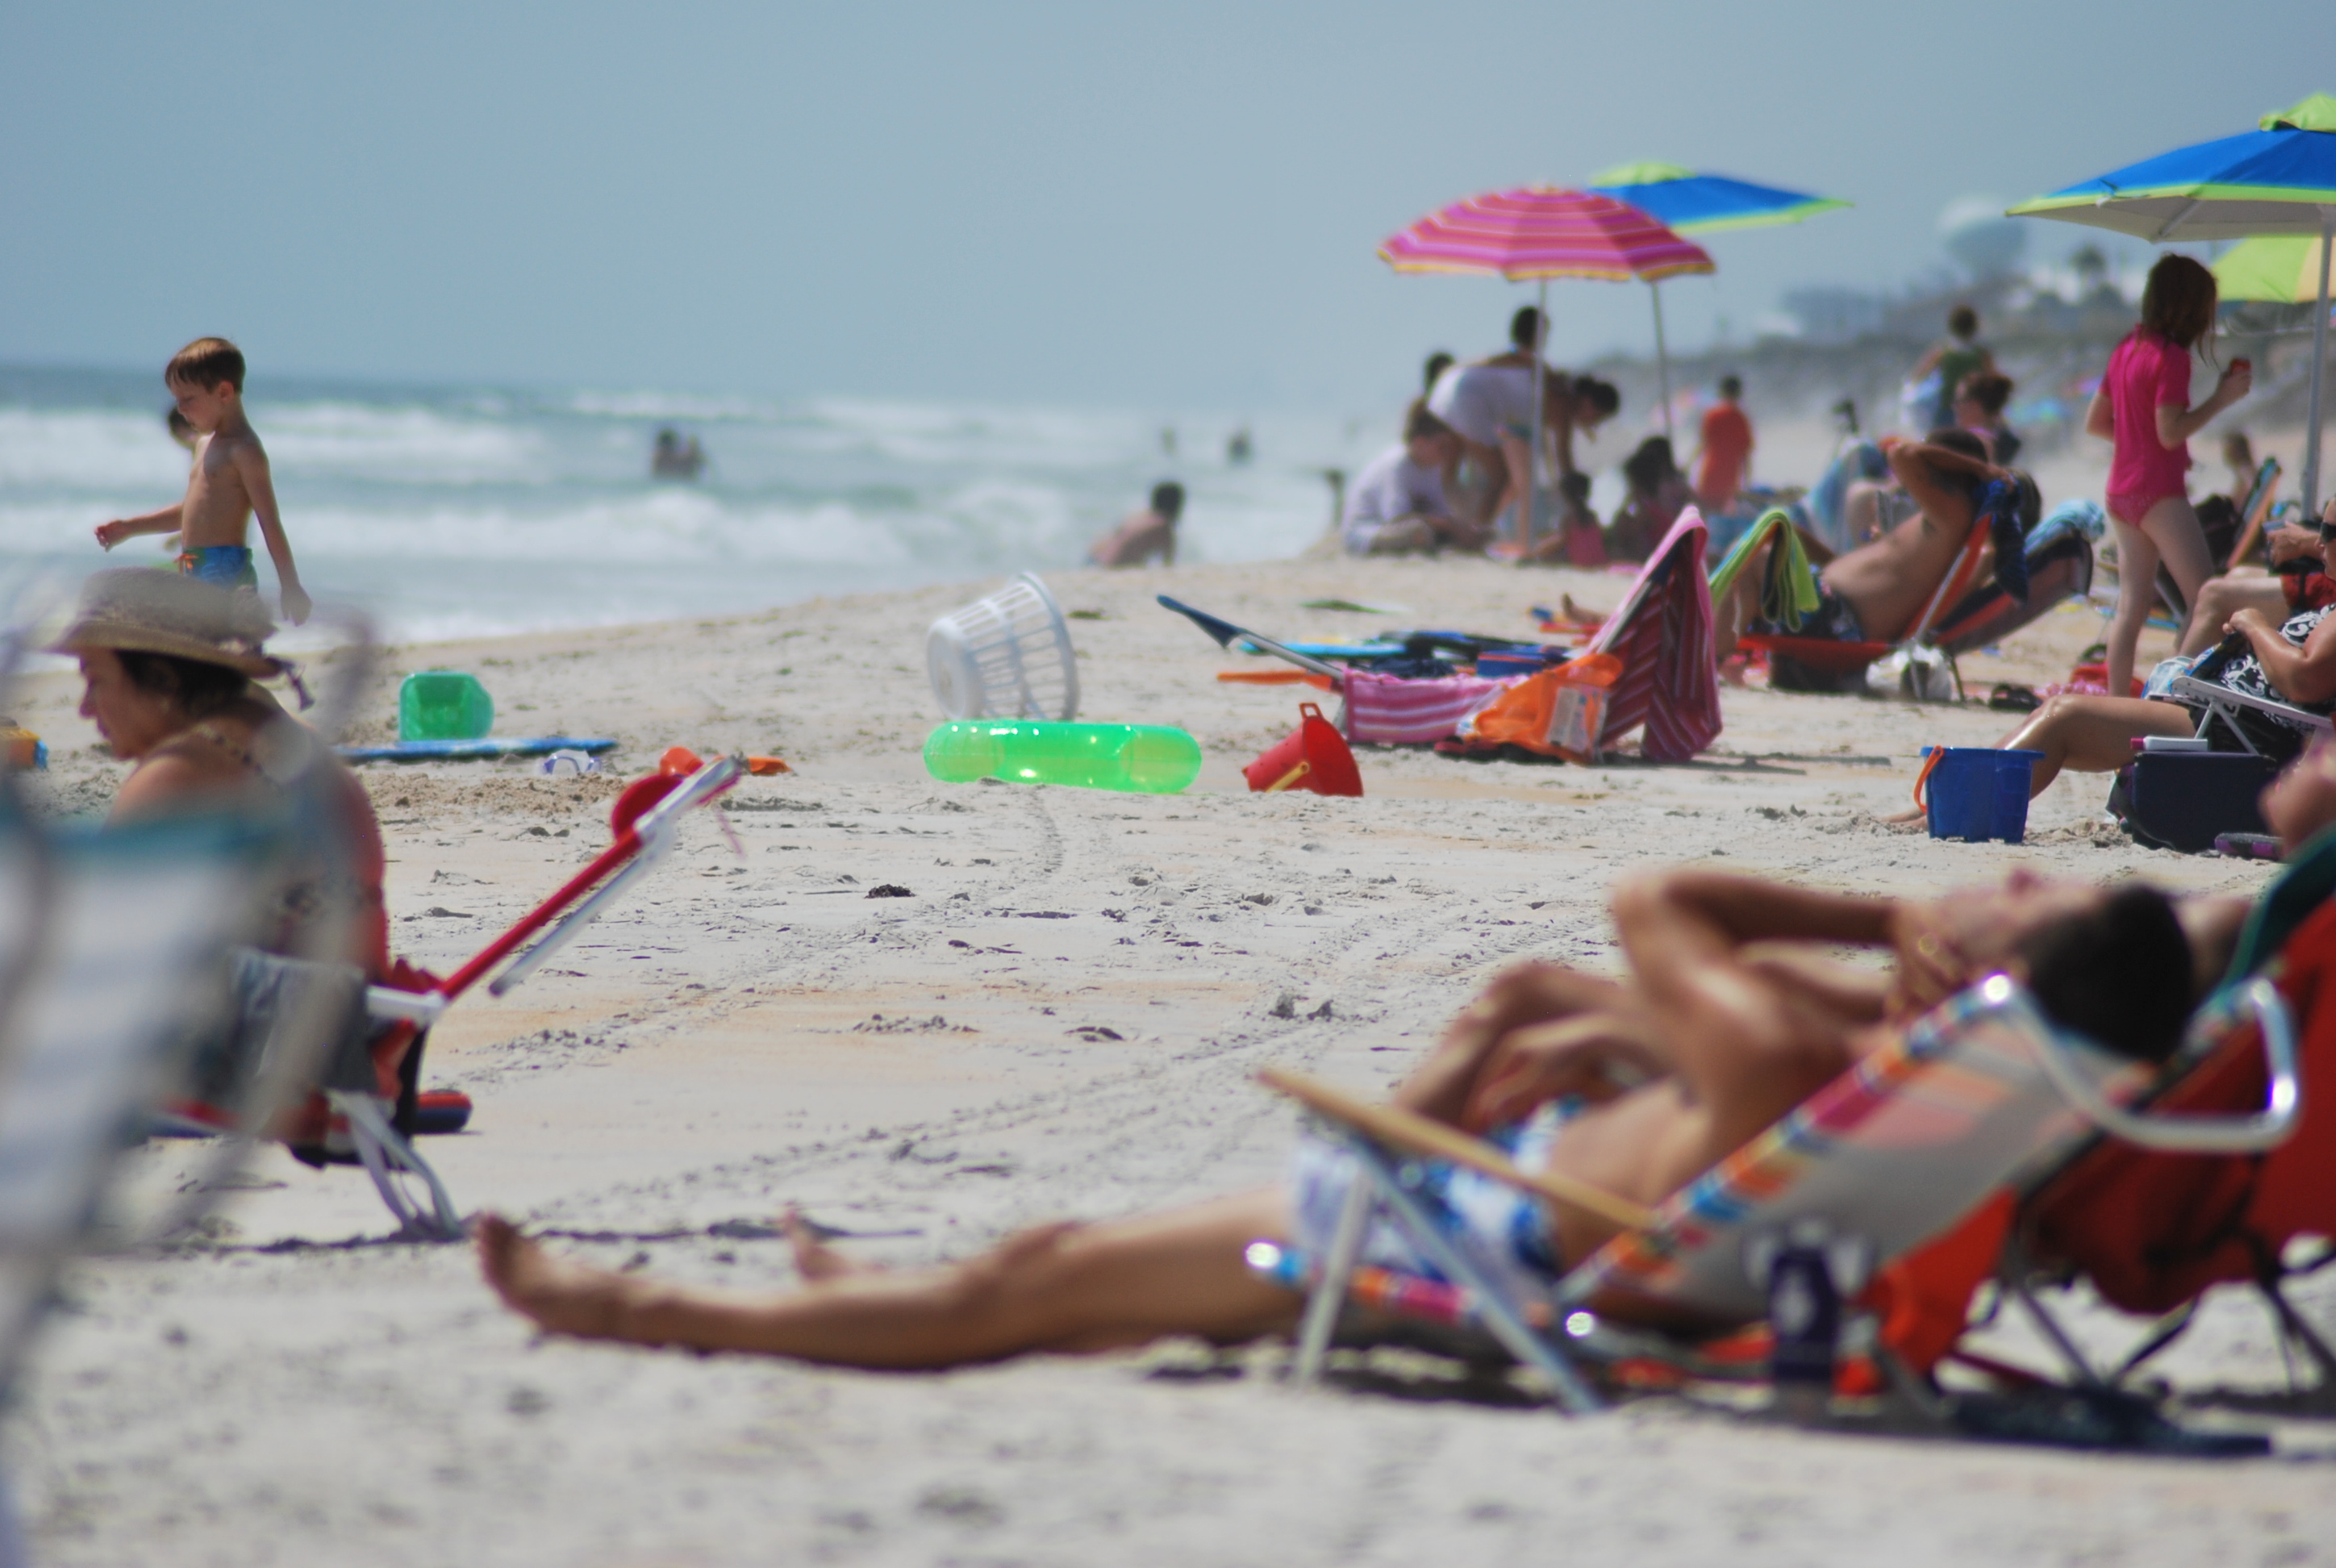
x=137 y=609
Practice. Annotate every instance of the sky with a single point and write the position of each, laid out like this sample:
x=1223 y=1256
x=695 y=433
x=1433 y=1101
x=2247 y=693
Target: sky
x=1170 y=205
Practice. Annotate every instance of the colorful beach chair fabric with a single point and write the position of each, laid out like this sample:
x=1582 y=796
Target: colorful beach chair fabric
x=2060 y=563
x=2153 y=1229
x=1908 y=1158
x=1788 y=589
x=1660 y=637
x=1390 y=709
x=348 y=1054
x=111 y=945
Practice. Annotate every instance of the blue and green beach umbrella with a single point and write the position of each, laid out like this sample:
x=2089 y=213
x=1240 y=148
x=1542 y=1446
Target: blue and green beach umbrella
x=2279 y=179
x=1686 y=202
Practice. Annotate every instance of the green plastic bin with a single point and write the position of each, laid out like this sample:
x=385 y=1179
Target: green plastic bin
x=443 y=705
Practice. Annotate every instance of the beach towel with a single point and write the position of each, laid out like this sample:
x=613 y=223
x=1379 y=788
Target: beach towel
x=1390 y=708
x=1789 y=592
x=1661 y=637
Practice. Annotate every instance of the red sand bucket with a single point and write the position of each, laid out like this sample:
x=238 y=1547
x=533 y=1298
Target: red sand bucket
x=1315 y=757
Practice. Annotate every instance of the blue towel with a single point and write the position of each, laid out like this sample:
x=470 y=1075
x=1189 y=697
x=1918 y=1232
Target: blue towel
x=1999 y=504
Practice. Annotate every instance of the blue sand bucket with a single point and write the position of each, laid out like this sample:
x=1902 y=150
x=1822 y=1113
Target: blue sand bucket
x=1976 y=793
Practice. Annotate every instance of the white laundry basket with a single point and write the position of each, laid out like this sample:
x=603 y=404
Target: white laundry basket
x=1007 y=656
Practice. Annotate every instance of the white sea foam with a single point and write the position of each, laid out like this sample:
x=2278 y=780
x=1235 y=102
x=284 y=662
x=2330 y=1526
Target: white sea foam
x=472 y=512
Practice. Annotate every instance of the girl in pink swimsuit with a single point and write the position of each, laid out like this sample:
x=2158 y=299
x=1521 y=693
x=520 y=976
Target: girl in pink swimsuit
x=2144 y=406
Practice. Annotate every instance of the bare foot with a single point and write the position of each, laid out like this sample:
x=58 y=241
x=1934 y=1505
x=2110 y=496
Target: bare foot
x=557 y=1296
x=814 y=1258
x=1577 y=615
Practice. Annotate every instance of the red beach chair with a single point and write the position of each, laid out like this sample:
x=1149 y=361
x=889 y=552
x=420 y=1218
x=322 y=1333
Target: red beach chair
x=343 y=1020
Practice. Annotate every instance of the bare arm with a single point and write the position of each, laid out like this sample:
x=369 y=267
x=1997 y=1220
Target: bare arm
x=1561 y=429
x=165 y=521
x=1919 y=465
x=2176 y=426
x=2100 y=416
x=2305 y=675
x=1515 y=455
x=1744 y=910
x=1738 y=1036
x=251 y=466
x=160 y=787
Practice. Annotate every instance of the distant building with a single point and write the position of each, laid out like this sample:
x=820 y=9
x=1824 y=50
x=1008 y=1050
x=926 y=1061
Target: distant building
x=1831 y=313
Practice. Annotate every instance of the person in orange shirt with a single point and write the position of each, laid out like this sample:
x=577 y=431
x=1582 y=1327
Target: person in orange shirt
x=1724 y=451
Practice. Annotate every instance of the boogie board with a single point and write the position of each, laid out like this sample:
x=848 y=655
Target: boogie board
x=470 y=750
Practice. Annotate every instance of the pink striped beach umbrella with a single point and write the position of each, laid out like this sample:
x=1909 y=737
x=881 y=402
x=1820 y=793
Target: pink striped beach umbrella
x=1540 y=232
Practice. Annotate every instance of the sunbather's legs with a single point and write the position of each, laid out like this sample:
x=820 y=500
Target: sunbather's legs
x=1740 y=605
x=1478 y=502
x=2220 y=598
x=2168 y=532
x=2092 y=734
x=1065 y=1288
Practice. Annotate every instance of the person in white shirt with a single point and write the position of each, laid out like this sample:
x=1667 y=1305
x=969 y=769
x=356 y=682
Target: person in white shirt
x=1489 y=405
x=1396 y=506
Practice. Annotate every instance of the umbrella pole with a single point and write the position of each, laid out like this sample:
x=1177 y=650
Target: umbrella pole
x=2319 y=369
x=1533 y=446
x=1662 y=357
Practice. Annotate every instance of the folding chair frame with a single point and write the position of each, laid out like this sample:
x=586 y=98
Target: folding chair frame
x=2222 y=703
x=1847 y=657
x=1808 y=1274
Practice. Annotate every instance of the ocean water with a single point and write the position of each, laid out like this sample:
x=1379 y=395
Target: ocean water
x=455 y=511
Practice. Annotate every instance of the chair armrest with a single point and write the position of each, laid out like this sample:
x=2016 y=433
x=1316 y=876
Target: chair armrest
x=413 y=1006
x=2197 y=690
x=2195 y=1134
x=1411 y=1132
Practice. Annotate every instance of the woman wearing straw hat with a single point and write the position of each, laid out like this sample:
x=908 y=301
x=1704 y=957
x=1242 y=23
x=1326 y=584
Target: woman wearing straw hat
x=169 y=665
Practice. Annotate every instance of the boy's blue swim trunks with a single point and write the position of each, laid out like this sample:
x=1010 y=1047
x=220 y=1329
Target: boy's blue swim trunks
x=227 y=566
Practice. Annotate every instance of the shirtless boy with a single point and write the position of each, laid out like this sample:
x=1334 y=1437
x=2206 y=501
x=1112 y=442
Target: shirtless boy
x=230 y=484
x=1732 y=1016
x=1144 y=535
x=1873 y=593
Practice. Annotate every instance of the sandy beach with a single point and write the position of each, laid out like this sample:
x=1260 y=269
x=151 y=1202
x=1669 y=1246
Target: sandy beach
x=1063 y=1020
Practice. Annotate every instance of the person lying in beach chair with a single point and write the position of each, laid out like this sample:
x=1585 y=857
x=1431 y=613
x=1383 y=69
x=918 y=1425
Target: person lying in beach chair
x=1873 y=599
x=1719 y=1033
x=2295 y=582
x=1649 y=666
x=2268 y=687
x=2154 y=1229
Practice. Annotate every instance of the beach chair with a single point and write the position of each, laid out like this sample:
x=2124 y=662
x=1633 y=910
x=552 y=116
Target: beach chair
x=111 y=956
x=2238 y=717
x=2154 y=1229
x=359 y=1067
x=2060 y=560
x=1812 y=1226
x=1841 y=665
x=2261 y=496
x=1656 y=672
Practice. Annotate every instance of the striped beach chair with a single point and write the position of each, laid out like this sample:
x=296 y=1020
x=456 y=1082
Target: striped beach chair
x=112 y=952
x=1656 y=647
x=1792 y=1228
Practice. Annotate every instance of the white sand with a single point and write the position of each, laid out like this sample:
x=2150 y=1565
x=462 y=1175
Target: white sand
x=296 y=1392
